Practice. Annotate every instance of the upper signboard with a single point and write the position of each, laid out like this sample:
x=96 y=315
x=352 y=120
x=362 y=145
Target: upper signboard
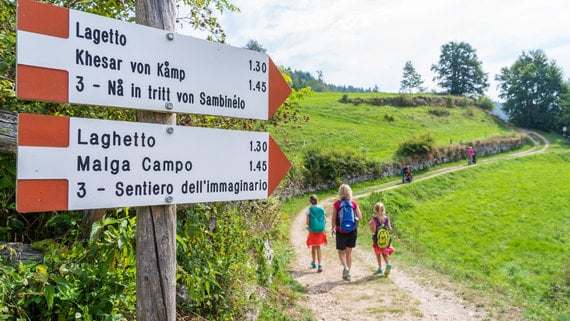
x=71 y=56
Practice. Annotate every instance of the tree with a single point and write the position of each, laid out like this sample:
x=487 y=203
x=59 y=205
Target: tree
x=532 y=88
x=320 y=76
x=411 y=79
x=564 y=119
x=255 y=46
x=459 y=71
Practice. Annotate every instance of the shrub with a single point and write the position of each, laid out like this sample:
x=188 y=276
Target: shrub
x=225 y=257
x=323 y=166
x=440 y=112
x=421 y=144
x=94 y=280
x=484 y=103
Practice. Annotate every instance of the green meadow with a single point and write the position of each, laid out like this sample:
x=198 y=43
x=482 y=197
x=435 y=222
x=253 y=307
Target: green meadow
x=501 y=229
x=378 y=130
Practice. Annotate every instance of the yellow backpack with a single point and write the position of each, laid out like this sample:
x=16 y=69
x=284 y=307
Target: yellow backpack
x=382 y=237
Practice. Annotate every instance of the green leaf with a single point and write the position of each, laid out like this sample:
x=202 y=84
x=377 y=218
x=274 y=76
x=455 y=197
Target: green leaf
x=49 y=293
x=94 y=230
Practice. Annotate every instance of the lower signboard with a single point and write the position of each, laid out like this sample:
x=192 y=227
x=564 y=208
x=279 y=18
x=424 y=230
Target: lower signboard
x=67 y=163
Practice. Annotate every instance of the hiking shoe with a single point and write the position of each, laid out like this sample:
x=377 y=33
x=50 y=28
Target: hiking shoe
x=379 y=271
x=388 y=268
x=345 y=273
x=320 y=269
x=313 y=265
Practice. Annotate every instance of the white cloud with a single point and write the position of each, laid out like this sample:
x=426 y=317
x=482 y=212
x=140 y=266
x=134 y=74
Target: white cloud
x=367 y=42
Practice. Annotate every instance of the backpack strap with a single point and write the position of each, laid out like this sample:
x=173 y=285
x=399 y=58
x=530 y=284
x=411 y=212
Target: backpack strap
x=377 y=221
x=380 y=224
x=341 y=204
x=312 y=209
x=315 y=209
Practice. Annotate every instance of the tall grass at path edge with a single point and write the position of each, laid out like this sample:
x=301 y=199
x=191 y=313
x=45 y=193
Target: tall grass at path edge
x=502 y=226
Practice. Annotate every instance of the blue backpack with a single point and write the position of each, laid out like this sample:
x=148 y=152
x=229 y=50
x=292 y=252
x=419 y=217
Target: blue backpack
x=346 y=216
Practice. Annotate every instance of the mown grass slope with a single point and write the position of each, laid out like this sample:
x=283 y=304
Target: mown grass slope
x=378 y=130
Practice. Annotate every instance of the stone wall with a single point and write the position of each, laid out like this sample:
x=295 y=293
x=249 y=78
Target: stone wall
x=447 y=154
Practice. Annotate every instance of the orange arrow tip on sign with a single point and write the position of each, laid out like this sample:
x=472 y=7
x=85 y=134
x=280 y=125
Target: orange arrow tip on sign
x=278 y=165
x=279 y=90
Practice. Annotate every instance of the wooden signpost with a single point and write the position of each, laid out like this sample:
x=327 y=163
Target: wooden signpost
x=75 y=57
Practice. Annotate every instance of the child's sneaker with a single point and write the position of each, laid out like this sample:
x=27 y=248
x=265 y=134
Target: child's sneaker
x=320 y=269
x=388 y=268
x=379 y=271
x=313 y=265
x=345 y=273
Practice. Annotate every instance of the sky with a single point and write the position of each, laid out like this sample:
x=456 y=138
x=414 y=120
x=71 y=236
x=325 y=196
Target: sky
x=366 y=43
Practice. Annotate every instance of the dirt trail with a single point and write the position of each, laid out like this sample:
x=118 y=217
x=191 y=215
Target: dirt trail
x=407 y=294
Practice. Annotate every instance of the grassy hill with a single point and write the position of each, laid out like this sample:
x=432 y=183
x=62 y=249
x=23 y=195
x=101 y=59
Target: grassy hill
x=378 y=130
x=502 y=229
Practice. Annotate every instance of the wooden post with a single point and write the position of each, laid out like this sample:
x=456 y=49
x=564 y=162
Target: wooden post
x=8 y=132
x=156 y=225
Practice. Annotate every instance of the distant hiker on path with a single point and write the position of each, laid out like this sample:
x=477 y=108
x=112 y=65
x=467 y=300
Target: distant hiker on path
x=469 y=155
x=345 y=227
x=317 y=236
x=380 y=226
x=408 y=174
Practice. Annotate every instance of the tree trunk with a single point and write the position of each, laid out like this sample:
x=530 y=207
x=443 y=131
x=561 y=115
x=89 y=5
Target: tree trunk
x=156 y=225
x=8 y=131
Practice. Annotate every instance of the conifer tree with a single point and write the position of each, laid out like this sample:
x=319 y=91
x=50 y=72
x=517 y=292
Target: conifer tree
x=411 y=79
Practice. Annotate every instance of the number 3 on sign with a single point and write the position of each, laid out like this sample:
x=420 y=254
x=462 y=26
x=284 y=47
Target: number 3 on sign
x=80 y=86
x=81 y=191
x=257 y=166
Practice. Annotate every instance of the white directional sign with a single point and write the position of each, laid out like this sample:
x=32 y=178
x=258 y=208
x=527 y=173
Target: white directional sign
x=72 y=56
x=73 y=163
